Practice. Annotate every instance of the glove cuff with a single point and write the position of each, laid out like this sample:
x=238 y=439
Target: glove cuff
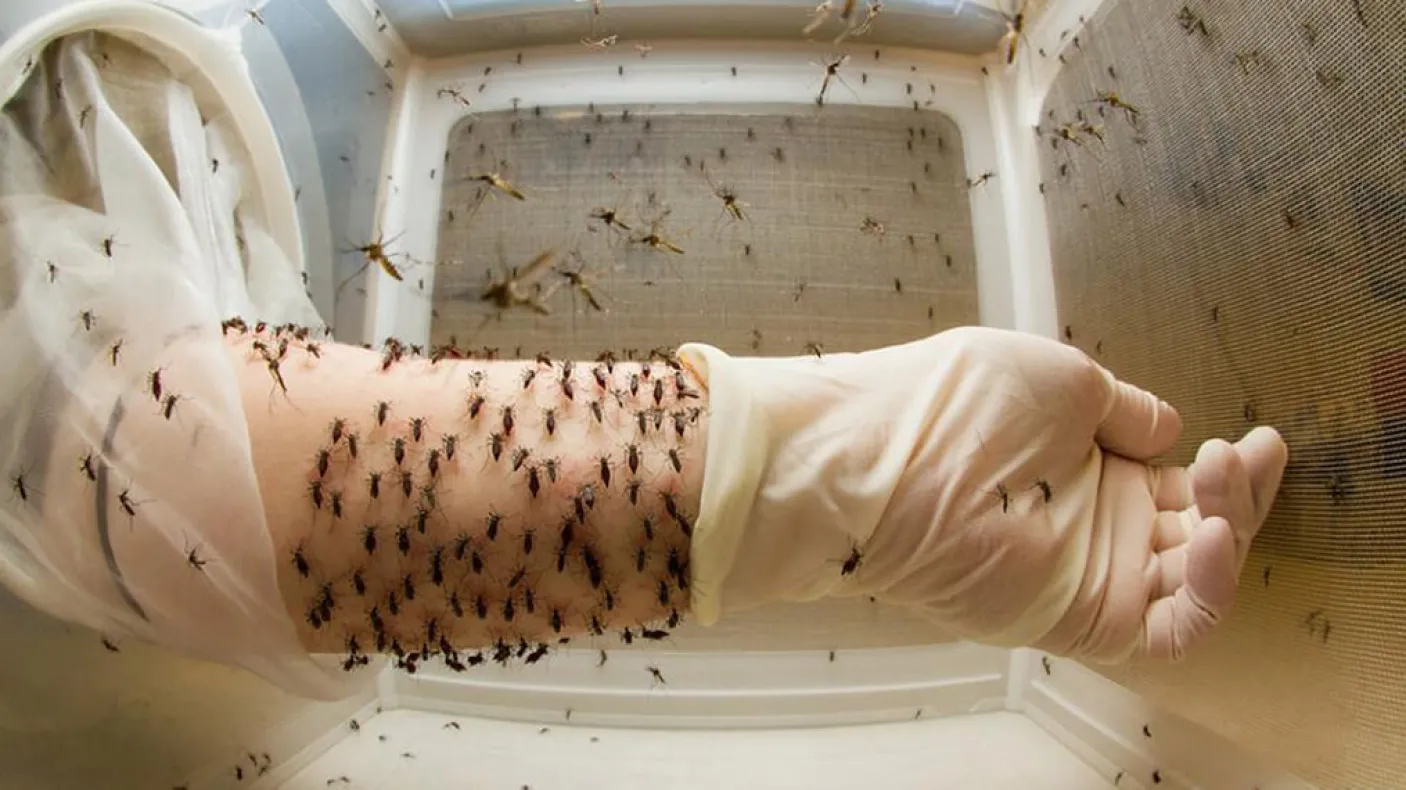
x=799 y=470
x=732 y=474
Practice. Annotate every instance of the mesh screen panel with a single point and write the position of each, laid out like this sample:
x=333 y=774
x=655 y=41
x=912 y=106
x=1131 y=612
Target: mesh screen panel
x=1238 y=245
x=799 y=268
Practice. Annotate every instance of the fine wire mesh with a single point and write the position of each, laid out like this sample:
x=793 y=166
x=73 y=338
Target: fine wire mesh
x=1241 y=251
x=813 y=274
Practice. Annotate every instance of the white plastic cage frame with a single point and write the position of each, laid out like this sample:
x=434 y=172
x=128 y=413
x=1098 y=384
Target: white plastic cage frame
x=994 y=111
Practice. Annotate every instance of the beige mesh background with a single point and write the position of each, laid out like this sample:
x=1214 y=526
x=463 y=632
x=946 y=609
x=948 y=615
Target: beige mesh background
x=1242 y=252
x=798 y=269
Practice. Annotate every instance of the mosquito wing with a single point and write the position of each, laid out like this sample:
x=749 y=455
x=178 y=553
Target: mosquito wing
x=534 y=270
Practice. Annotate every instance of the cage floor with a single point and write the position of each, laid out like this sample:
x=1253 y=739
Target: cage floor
x=431 y=751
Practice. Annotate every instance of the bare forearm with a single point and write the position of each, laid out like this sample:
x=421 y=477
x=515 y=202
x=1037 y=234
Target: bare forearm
x=463 y=505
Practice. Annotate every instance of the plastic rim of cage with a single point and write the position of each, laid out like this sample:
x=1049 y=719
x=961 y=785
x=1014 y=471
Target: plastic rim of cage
x=205 y=58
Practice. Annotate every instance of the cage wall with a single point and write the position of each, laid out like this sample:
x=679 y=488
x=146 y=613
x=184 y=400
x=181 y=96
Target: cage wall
x=344 y=94
x=1234 y=239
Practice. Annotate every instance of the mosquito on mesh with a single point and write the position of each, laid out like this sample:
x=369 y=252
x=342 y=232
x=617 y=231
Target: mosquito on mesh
x=731 y=205
x=655 y=240
x=580 y=279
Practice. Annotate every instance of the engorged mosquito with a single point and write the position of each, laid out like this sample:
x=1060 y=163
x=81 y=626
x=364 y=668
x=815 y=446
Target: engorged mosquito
x=851 y=563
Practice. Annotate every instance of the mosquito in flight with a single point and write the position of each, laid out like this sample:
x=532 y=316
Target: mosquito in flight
x=521 y=289
x=1015 y=33
x=872 y=11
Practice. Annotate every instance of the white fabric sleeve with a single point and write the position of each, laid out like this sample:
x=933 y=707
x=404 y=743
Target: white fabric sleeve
x=128 y=231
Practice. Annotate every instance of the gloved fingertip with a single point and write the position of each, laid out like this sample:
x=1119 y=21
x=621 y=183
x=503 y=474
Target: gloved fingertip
x=1138 y=425
x=1212 y=566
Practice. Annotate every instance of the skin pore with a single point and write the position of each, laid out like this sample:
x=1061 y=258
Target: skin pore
x=480 y=509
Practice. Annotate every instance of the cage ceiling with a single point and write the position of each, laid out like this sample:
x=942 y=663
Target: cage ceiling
x=455 y=27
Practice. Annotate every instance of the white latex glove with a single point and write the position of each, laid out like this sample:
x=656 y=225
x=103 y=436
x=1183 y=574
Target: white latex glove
x=994 y=481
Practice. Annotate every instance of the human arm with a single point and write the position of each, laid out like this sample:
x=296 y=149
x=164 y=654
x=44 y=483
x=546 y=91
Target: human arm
x=513 y=502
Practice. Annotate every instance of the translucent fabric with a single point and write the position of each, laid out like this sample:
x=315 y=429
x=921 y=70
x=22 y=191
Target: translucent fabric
x=128 y=230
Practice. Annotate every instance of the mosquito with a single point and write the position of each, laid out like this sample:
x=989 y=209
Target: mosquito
x=194 y=560
x=819 y=16
x=851 y=562
x=872 y=11
x=453 y=92
x=1113 y=100
x=580 y=280
x=522 y=289
x=600 y=43
x=731 y=205
x=375 y=252
x=610 y=217
x=980 y=180
x=1068 y=133
x=496 y=181
x=1094 y=130
x=832 y=72
x=656 y=677
x=1191 y=23
x=655 y=240
x=1015 y=32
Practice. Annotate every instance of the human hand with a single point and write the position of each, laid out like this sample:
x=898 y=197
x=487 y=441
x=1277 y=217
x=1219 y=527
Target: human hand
x=995 y=482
